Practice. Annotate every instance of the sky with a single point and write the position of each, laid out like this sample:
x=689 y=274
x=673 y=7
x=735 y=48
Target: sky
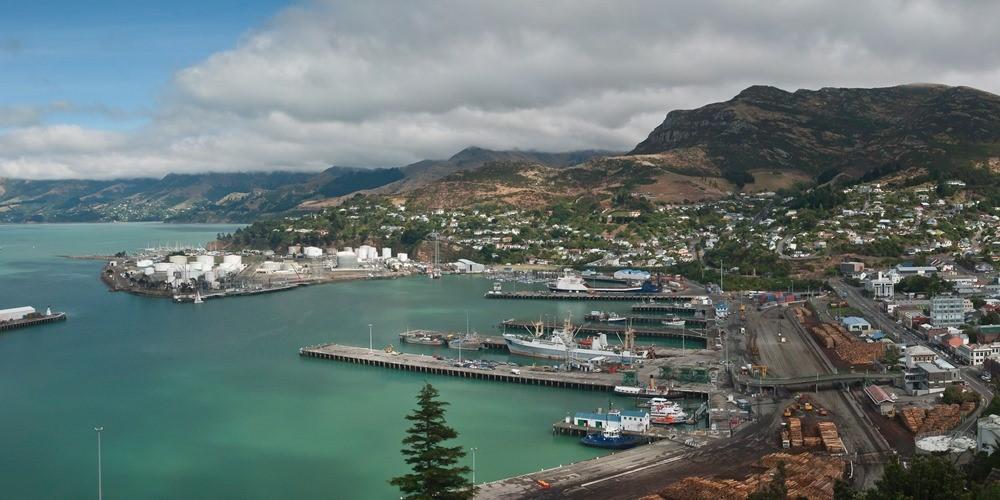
x=111 y=89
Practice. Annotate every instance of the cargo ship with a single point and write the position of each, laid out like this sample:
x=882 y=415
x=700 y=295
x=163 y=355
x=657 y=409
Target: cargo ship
x=561 y=345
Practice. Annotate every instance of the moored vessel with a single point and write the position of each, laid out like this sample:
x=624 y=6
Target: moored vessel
x=423 y=337
x=611 y=438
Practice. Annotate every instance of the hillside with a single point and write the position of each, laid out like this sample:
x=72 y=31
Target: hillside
x=832 y=130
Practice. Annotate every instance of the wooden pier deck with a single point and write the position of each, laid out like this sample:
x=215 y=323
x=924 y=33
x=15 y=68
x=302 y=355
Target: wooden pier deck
x=658 y=320
x=594 y=329
x=675 y=309
x=421 y=363
x=23 y=323
x=655 y=433
x=604 y=296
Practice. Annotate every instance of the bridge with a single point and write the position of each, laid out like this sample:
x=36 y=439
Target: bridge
x=826 y=380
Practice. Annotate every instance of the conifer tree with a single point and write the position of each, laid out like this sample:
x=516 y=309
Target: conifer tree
x=435 y=473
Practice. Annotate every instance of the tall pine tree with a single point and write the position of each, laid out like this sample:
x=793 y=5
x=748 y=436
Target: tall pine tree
x=435 y=473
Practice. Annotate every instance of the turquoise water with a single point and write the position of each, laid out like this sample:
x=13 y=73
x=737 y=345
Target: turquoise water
x=213 y=401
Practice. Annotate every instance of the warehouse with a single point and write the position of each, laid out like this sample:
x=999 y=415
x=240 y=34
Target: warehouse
x=15 y=313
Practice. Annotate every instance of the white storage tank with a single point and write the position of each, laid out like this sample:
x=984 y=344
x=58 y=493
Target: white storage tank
x=386 y=253
x=148 y=271
x=312 y=252
x=163 y=267
x=144 y=263
x=403 y=256
x=209 y=276
x=178 y=259
x=347 y=260
x=206 y=261
x=233 y=260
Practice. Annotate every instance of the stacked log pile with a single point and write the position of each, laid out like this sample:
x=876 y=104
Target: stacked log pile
x=807 y=475
x=940 y=418
x=831 y=438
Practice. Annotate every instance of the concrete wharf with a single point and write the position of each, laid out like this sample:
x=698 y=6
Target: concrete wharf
x=422 y=363
x=658 y=320
x=593 y=296
x=26 y=322
x=594 y=329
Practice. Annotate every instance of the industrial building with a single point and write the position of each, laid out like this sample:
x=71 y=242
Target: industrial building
x=467 y=266
x=856 y=324
x=16 y=313
x=635 y=421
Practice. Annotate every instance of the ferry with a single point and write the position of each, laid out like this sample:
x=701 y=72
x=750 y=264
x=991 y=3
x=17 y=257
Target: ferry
x=611 y=439
x=423 y=337
x=571 y=283
x=665 y=412
x=561 y=345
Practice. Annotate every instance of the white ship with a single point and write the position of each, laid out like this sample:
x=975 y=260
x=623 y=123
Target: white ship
x=664 y=411
x=572 y=283
x=562 y=346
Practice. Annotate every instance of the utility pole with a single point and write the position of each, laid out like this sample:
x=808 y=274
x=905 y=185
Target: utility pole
x=100 y=478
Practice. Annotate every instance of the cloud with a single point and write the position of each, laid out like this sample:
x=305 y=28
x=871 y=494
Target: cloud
x=380 y=83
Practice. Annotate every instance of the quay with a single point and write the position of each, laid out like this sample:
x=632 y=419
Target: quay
x=594 y=329
x=26 y=322
x=422 y=363
x=238 y=292
x=654 y=433
x=594 y=296
x=658 y=320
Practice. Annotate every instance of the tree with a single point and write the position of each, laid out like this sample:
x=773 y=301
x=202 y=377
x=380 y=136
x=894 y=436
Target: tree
x=435 y=474
x=928 y=477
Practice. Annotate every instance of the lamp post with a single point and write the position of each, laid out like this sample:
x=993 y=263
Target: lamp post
x=370 y=347
x=100 y=479
x=473 y=450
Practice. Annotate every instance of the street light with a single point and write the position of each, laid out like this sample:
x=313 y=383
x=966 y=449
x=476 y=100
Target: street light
x=473 y=450
x=370 y=349
x=100 y=479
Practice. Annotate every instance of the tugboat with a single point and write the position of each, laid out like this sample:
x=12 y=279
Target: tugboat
x=611 y=439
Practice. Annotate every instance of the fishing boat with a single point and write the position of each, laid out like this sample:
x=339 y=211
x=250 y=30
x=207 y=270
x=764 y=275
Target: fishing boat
x=467 y=342
x=673 y=322
x=665 y=412
x=422 y=337
x=561 y=345
x=611 y=438
x=605 y=317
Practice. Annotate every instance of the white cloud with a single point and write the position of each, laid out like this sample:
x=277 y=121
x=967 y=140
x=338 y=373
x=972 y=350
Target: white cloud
x=372 y=83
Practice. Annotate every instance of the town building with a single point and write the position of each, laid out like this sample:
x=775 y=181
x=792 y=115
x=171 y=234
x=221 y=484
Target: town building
x=947 y=310
x=926 y=378
x=881 y=286
x=975 y=354
x=987 y=434
x=918 y=354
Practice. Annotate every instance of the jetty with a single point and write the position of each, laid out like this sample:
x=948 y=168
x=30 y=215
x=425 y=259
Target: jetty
x=677 y=309
x=422 y=363
x=592 y=296
x=610 y=328
x=546 y=375
x=653 y=434
x=26 y=322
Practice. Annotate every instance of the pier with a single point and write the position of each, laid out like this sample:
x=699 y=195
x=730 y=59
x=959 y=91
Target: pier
x=595 y=296
x=421 y=363
x=594 y=329
x=658 y=320
x=675 y=309
x=654 y=433
x=26 y=322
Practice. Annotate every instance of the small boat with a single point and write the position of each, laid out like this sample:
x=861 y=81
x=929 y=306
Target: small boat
x=606 y=317
x=422 y=337
x=467 y=343
x=673 y=322
x=611 y=439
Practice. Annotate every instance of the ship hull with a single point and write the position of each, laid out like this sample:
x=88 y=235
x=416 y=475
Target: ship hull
x=535 y=350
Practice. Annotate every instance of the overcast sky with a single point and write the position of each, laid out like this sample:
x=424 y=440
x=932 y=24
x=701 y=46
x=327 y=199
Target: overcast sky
x=120 y=91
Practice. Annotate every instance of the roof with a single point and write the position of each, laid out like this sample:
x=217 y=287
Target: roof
x=24 y=309
x=919 y=350
x=931 y=368
x=854 y=320
x=877 y=394
x=589 y=415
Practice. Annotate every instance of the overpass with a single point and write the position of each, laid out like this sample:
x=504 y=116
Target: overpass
x=826 y=380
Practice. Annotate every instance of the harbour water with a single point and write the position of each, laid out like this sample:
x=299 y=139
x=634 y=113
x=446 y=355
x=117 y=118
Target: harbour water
x=212 y=400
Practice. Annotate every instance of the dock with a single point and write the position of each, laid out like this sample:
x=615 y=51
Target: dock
x=594 y=329
x=675 y=309
x=26 y=322
x=658 y=320
x=238 y=293
x=595 y=296
x=421 y=363
x=653 y=434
